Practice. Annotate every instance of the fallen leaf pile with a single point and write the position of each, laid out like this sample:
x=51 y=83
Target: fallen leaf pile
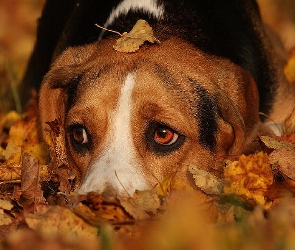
x=252 y=207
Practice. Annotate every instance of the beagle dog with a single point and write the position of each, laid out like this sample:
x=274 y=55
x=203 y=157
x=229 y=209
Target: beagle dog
x=129 y=120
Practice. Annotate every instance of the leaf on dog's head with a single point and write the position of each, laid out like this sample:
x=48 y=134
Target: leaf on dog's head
x=140 y=33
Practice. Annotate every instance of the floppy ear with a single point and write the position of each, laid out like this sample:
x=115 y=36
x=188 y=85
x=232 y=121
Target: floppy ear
x=51 y=104
x=231 y=134
x=52 y=108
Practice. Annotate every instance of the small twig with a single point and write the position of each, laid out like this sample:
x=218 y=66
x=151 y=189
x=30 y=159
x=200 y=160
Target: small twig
x=107 y=29
x=122 y=184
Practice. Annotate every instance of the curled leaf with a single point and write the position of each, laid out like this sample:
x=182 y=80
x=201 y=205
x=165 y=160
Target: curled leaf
x=140 y=33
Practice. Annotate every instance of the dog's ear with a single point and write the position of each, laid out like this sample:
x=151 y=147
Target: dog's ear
x=63 y=76
x=52 y=106
x=52 y=103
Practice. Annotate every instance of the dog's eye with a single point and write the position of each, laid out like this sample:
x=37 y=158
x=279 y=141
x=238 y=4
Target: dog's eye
x=165 y=136
x=79 y=138
x=161 y=139
x=79 y=135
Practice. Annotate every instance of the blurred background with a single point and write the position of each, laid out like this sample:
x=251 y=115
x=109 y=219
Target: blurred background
x=18 y=22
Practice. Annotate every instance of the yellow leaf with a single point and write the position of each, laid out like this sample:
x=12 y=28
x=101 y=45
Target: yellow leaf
x=140 y=33
x=56 y=220
x=9 y=119
x=165 y=186
x=249 y=177
x=10 y=173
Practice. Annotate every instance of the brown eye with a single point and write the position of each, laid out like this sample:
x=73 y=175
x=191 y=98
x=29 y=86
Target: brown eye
x=162 y=139
x=79 y=138
x=79 y=135
x=165 y=136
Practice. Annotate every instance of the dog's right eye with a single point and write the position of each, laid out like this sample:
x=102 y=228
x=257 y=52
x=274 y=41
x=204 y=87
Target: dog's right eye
x=79 y=135
x=79 y=138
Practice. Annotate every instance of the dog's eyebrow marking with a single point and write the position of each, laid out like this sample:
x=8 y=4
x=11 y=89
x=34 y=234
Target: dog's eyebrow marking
x=163 y=73
x=118 y=161
x=206 y=110
x=206 y=115
x=150 y=6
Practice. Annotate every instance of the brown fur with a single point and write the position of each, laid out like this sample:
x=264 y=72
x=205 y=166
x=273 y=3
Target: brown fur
x=233 y=89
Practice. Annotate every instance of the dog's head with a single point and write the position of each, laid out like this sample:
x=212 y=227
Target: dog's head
x=129 y=120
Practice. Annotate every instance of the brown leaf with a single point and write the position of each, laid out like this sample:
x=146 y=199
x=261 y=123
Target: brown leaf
x=55 y=139
x=273 y=143
x=284 y=161
x=30 y=185
x=100 y=209
x=56 y=220
x=140 y=33
x=4 y=218
x=10 y=173
x=142 y=205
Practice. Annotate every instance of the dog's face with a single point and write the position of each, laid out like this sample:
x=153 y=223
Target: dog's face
x=130 y=120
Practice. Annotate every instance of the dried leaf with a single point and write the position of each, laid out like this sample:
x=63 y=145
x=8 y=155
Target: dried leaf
x=24 y=138
x=4 y=218
x=284 y=161
x=9 y=119
x=140 y=33
x=56 y=220
x=54 y=138
x=30 y=185
x=249 y=177
x=273 y=143
x=10 y=173
x=164 y=187
x=204 y=180
x=288 y=138
x=100 y=209
x=142 y=204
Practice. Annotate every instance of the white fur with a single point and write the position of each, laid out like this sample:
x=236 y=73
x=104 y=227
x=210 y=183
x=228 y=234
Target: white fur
x=149 y=6
x=117 y=166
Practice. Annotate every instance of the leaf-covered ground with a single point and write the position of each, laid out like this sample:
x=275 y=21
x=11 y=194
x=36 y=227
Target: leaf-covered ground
x=252 y=208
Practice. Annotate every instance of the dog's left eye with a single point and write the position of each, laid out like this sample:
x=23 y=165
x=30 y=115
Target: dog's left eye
x=165 y=136
x=162 y=139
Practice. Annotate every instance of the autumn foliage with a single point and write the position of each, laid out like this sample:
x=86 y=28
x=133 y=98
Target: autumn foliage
x=251 y=207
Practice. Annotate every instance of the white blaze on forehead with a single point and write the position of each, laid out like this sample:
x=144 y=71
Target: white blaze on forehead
x=149 y=6
x=117 y=166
